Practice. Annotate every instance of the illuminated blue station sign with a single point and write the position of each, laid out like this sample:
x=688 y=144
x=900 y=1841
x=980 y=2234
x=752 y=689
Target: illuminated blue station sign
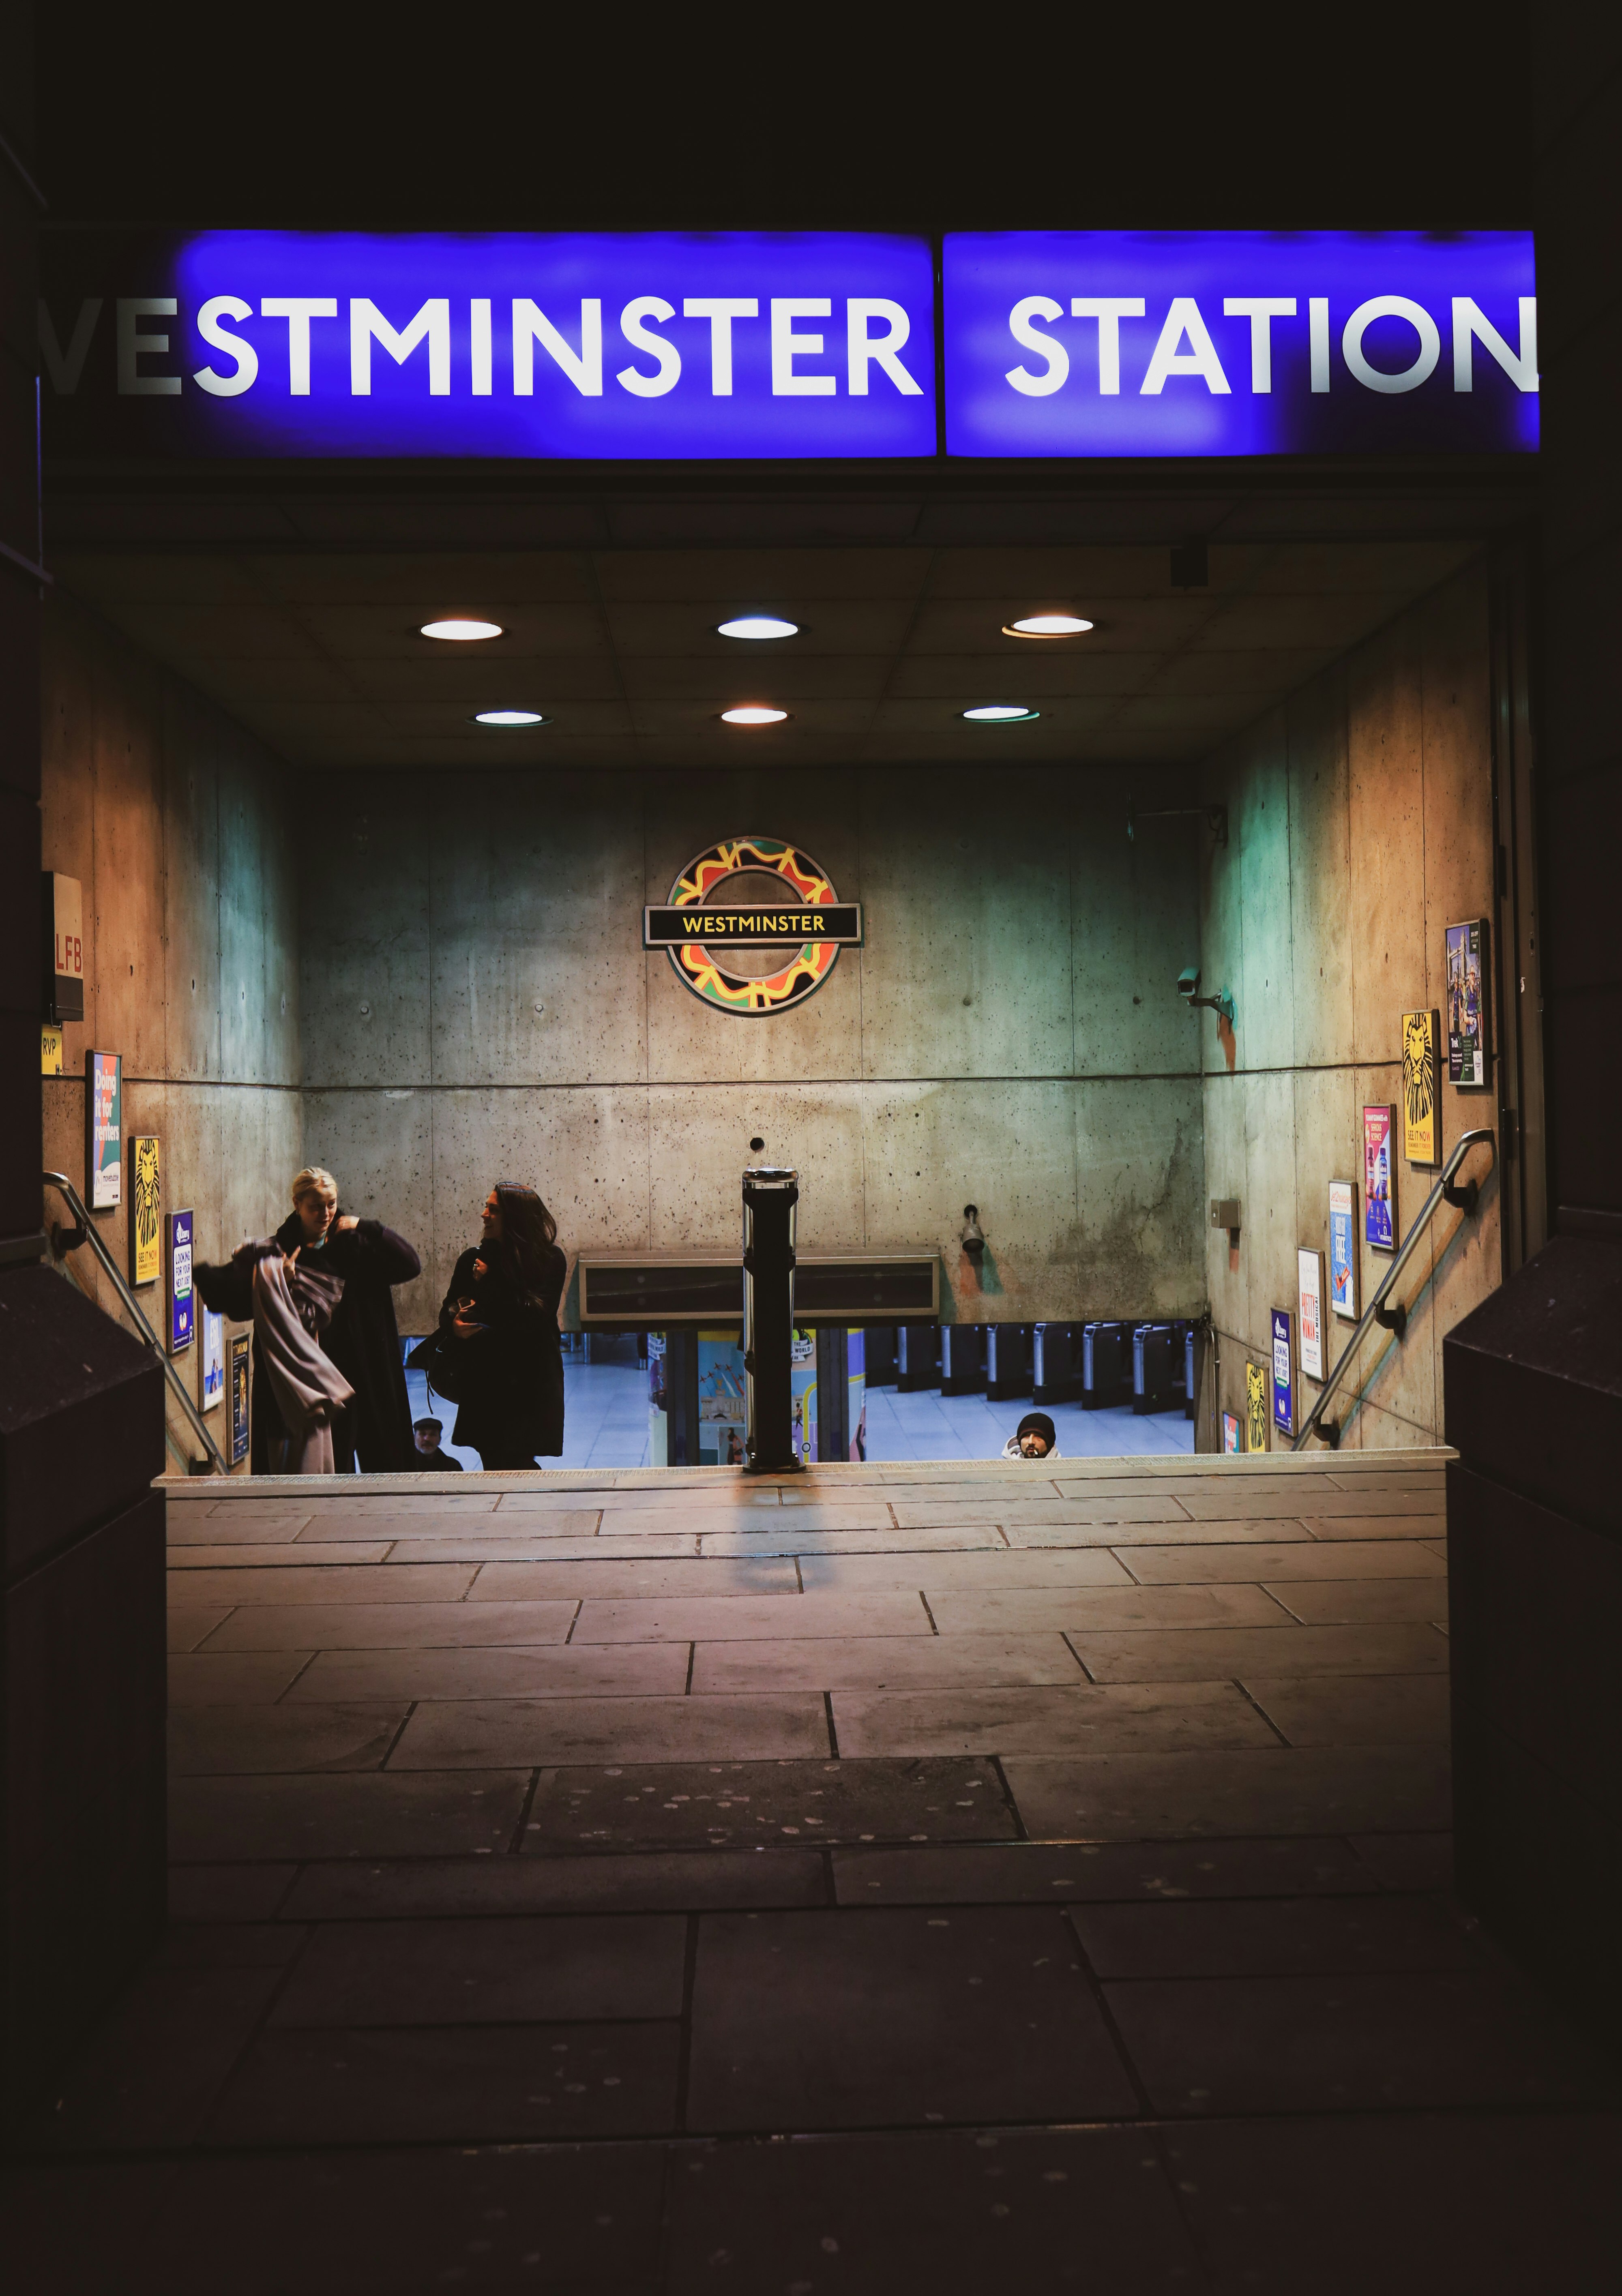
x=752 y=346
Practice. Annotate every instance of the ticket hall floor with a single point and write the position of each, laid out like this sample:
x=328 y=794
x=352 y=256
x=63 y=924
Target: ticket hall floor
x=894 y=1877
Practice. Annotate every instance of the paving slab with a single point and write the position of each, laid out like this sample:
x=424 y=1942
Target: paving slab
x=190 y=1623
x=727 y=1804
x=896 y=2018
x=1405 y=1710
x=1283 y=1789
x=232 y=1678
x=230 y=1945
x=1419 y=1524
x=263 y=1557
x=1280 y=1937
x=513 y=2083
x=238 y=1741
x=1123 y=1536
x=1016 y=1510
x=955 y=2214
x=649 y=1580
x=498 y=1670
x=942 y=1539
x=1044 y=1872
x=511 y=1970
x=1391 y=2042
x=1238 y=1504
x=375 y=1815
x=194 y=1526
x=1350 y=1602
x=390 y=1626
x=879 y=1662
x=425 y=1525
x=652 y=1881
x=1286 y=1649
x=977 y=1572
x=228 y=1893
x=1407 y=1861
x=499 y=1546
x=1104 y=1609
x=1263 y=1562
x=484 y=1734
x=769 y=1617
x=1414 y=2203
x=1071 y=1720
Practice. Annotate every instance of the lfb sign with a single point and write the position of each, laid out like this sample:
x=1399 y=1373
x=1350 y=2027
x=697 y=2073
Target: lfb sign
x=582 y=346
x=1128 y=344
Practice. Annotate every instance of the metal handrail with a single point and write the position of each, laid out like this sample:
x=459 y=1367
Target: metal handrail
x=1396 y=1319
x=86 y=1232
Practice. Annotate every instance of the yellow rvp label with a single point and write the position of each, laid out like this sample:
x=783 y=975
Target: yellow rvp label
x=50 y=1052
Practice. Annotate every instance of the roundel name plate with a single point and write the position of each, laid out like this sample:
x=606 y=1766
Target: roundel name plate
x=715 y=906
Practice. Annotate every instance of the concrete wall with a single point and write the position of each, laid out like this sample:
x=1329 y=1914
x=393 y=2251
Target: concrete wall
x=477 y=1003
x=1360 y=826
x=178 y=826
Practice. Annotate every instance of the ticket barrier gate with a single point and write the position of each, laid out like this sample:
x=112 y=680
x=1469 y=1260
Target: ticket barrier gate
x=1007 y=1361
x=1055 y=1362
x=917 y=1358
x=1106 y=1366
x=963 y=1358
x=1160 y=1368
x=879 y=1341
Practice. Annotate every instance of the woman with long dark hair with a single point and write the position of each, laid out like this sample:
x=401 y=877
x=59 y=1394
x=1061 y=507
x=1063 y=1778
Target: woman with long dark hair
x=501 y=1316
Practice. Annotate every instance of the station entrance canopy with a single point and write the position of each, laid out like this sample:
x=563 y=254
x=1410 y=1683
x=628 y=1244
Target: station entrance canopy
x=820 y=345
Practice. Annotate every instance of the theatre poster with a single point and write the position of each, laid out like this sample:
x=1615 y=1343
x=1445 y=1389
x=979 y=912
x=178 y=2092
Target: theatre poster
x=1378 y=1179
x=105 y=1131
x=1343 y=1249
x=1309 y=1311
x=1466 y=1004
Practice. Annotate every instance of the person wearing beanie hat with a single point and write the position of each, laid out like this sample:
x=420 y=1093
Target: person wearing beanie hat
x=1034 y=1438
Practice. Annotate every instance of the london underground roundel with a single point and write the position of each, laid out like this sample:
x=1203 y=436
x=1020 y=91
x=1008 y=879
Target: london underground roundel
x=753 y=925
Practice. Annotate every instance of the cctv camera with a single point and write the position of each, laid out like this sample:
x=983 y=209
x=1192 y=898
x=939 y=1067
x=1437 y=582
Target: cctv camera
x=1188 y=981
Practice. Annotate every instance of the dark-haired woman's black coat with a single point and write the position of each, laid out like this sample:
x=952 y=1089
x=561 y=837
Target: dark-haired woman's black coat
x=512 y=1371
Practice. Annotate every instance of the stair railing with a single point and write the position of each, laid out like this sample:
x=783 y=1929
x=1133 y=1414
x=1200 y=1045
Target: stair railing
x=1396 y=1319
x=85 y=1231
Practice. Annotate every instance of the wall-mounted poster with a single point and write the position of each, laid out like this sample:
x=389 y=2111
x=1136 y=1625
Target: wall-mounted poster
x=1343 y=1248
x=239 y=1397
x=105 y=1131
x=1466 y=1004
x=50 y=1051
x=213 y=1359
x=145 y=1211
x=1421 y=1096
x=182 y=1299
x=1256 y=1406
x=1283 y=1375
x=1378 y=1179
x=1309 y=1311
x=1233 y=1427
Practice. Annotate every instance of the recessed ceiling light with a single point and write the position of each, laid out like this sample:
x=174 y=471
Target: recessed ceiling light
x=999 y=713
x=753 y=713
x=509 y=717
x=462 y=627
x=1047 y=625
x=757 y=626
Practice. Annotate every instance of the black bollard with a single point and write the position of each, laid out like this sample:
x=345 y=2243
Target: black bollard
x=770 y=1194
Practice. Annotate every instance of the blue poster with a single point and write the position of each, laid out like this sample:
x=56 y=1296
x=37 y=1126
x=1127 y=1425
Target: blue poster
x=181 y=1296
x=1145 y=343
x=1283 y=1380
x=1343 y=1249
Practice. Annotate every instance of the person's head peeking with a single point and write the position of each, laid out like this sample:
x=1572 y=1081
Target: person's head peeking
x=314 y=1194
x=1035 y=1435
x=427 y=1432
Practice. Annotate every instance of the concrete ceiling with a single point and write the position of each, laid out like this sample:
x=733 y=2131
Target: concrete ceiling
x=318 y=653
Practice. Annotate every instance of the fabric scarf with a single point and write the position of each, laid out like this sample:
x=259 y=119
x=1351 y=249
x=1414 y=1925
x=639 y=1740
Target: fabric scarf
x=288 y=1308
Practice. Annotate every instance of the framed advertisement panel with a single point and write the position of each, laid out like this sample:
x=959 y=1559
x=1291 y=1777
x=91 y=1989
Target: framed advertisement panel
x=1422 y=1088
x=213 y=1361
x=182 y=1299
x=145 y=1211
x=1468 y=1025
x=103 y=1131
x=1343 y=1249
x=1256 y=1406
x=1309 y=1311
x=1283 y=1374
x=1380 y=1179
x=239 y=1397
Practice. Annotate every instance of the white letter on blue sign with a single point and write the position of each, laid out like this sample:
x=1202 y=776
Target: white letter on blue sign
x=584 y=367
x=432 y=325
x=720 y=310
x=1021 y=327
x=299 y=310
x=786 y=346
x=634 y=328
x=1470 y=325
x=226 y=386
x=1108 y=311
x=863 y=348
x=1391 y=306
x=1261 y=310
x=1185 y=323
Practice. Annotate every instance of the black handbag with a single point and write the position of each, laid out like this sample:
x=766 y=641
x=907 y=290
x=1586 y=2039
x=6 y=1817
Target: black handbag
x=436 y=1359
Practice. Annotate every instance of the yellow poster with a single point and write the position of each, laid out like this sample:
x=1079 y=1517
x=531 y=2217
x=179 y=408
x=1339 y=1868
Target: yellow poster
x=1256 y=1406
x=1421 y=1116
x=50 y=1051
x=145 y=1211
